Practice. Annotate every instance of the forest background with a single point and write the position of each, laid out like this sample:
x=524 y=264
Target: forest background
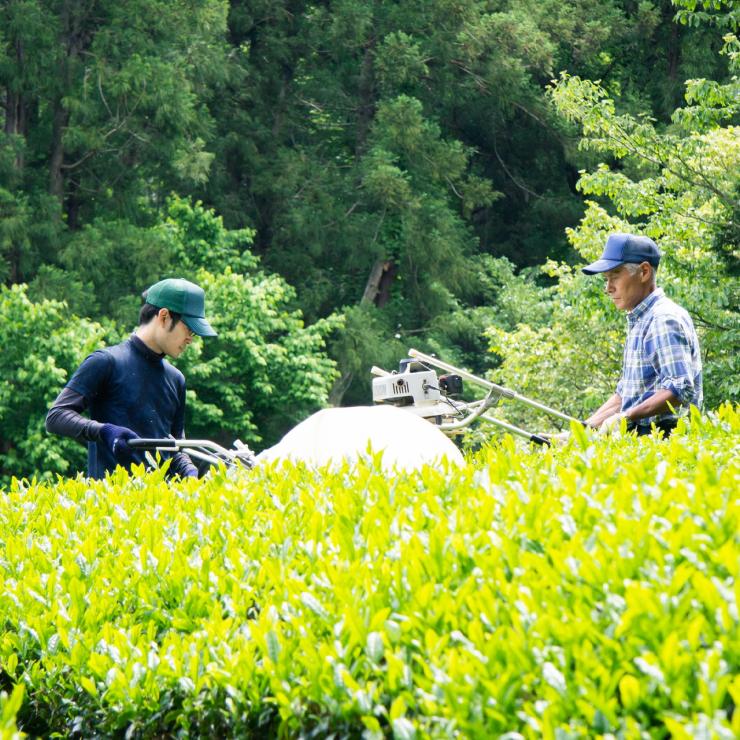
x=347 y=179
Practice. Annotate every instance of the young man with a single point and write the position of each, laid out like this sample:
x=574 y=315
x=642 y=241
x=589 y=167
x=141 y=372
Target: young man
x=661 y=368
x=130 y=389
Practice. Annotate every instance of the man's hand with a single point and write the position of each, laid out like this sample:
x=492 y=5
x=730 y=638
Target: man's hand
x=612 y=426
x=555 y=438
x=116 y=439
x=612 y=406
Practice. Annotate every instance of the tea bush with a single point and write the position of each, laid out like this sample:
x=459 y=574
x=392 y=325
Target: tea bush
x=585 y=591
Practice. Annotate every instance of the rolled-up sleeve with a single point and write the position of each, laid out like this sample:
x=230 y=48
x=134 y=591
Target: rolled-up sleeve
x=669 y=351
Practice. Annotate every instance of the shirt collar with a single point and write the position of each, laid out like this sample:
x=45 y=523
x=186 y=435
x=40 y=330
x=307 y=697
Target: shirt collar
x=142 y=349
x=644 y=306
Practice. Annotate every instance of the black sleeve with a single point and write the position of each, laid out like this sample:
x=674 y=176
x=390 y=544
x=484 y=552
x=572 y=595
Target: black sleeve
x=182 y=465
x=65 y=418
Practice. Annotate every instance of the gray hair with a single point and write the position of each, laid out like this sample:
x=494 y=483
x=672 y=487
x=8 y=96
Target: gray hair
x=634 y=268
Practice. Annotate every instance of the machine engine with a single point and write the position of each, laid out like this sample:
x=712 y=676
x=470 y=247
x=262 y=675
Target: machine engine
x=417 y=386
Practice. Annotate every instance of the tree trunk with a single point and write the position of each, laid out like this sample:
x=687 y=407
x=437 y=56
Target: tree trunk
x=14 y=114
x=378 y=293
x=373 y=282
x=366 y=96
x=378 y=287
x=674 y=90
x=76 y=39
x=674 y=52
x=72 y=204
x=277 y=123
x=59 y=123
x=340 y=388
x=16 y=118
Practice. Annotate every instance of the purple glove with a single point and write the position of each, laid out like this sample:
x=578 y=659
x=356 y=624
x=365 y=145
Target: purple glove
x=190 y=472
x=116 y=439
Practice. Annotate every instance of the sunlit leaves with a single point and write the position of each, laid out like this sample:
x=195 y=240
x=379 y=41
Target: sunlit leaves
x=41 y=347
x=680 y=187
x=581 y=591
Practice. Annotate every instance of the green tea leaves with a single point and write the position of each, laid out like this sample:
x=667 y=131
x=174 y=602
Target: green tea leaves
x=590 y=590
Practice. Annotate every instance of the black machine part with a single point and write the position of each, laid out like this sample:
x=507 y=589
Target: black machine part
x=451 y=385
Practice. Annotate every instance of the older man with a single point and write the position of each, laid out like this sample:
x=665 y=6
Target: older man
x=661 y=368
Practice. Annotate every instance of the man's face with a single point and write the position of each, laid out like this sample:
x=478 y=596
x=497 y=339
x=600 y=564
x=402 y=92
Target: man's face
x=173 y=340
x=625 y=289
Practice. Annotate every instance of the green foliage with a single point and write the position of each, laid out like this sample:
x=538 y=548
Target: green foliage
x=586 y=591
x=30 y=232
x=400 y=61
x=9 y=707
x=334 y=138
x=106 y=265
x=265 y=372
x=460 y=335
x=103 y=114
x=409 y=135
x=679 y=187
x=42 y=346
x=569 y=359
x=201 y=242
x=104 y=268
x=722 y=13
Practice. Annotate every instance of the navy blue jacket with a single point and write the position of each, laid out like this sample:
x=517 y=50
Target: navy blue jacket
x=131 y=386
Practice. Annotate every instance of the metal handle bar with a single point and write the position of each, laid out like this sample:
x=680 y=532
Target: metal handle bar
x=504 y=392
x=174 y=444
x=142 y=443
x=201 y=449
x=536 y=438
x=478 y=412
x=475 y=409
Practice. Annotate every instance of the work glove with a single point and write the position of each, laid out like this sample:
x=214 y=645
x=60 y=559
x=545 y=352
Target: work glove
x=190 y=472
x=116 y=439
x=612 y=426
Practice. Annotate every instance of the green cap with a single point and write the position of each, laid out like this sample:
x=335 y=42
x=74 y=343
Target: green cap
x=183 y=297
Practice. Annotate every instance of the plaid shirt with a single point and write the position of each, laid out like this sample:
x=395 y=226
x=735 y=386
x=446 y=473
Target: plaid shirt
x=661 y=352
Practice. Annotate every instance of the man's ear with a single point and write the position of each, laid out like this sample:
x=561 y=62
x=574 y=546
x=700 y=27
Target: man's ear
x=645 y=271
x=162 y=315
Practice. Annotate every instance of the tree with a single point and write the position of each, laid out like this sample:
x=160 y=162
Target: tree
x=404 y=141
x=103 y=107
x=42 y=346
x=265 y=372
x=680 y=187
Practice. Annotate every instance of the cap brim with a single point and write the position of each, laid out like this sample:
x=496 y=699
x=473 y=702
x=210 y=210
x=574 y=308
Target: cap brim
x=601 y=266
x=199 y=326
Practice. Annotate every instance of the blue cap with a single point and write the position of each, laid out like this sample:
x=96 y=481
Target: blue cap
x=621 y=248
